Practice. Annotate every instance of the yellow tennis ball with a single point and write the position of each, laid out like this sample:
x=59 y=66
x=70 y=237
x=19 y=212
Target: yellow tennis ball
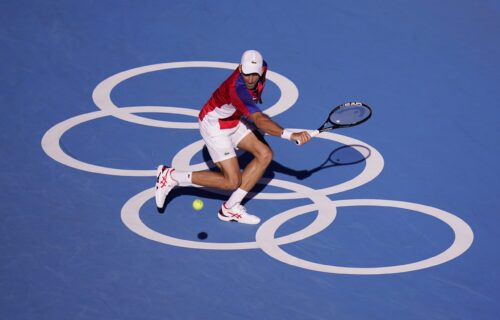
x=197 y=204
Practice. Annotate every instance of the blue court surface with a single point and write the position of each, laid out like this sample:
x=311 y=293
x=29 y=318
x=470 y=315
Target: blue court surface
x=397 y=218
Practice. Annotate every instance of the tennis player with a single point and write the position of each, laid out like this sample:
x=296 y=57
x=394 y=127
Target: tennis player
x=225 y=125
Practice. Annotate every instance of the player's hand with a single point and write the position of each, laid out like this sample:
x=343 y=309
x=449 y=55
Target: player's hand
x=302 y=137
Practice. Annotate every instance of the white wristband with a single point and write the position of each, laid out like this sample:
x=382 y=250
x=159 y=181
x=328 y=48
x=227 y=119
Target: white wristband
x=286 y=134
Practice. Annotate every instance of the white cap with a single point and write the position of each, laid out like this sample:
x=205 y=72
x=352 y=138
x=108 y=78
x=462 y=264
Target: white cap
x=251 y=62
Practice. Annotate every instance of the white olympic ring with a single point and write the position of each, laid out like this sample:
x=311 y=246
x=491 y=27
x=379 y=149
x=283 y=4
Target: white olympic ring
x=52 y=147
x=463 y=238
x=265 y=240
x=102 y=93
x=326 y=214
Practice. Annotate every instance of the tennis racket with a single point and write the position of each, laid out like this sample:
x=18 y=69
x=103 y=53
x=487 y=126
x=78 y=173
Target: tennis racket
x=346 y=115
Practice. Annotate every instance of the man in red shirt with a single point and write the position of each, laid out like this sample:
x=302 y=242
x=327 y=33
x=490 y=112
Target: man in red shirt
x=224 y=126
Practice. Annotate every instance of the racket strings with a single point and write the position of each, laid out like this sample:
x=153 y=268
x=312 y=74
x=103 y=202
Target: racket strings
x=348 y=115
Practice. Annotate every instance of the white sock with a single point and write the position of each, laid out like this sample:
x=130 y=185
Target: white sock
x=182 y=177
x=236 y=198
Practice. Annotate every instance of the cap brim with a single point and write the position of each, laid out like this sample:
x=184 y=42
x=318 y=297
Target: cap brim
x=251 y=69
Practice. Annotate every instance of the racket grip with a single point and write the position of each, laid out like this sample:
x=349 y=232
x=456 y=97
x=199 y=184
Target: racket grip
x=312 y=133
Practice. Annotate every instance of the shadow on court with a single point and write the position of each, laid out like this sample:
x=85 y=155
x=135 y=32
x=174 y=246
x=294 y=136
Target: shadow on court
x=341 y=156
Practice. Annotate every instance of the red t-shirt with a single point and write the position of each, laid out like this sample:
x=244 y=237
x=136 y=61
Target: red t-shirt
x=233 y=100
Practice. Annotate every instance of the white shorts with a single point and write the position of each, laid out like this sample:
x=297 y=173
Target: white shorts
x=222 y=143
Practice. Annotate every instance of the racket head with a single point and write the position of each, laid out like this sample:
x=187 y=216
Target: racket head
x=347 y=115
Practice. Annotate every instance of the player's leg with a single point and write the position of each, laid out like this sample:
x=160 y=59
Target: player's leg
x=221 y=150
x=167 y=178
x=228 y=179
x=263 y=155
x=245 y=139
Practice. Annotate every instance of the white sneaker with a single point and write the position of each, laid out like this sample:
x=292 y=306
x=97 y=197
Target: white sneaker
x=164 y=183
x=238 y=213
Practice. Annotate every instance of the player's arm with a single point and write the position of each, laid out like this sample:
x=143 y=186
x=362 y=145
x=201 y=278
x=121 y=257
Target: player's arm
x=266 y=124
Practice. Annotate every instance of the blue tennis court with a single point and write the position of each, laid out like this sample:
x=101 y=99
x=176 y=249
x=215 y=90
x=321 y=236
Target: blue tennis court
x=394 y=219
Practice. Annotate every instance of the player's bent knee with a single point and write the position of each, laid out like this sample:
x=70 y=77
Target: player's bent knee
x=231 y=183
x=265 y=156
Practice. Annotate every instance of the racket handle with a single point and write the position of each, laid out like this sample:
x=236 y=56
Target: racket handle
x=312 y=133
